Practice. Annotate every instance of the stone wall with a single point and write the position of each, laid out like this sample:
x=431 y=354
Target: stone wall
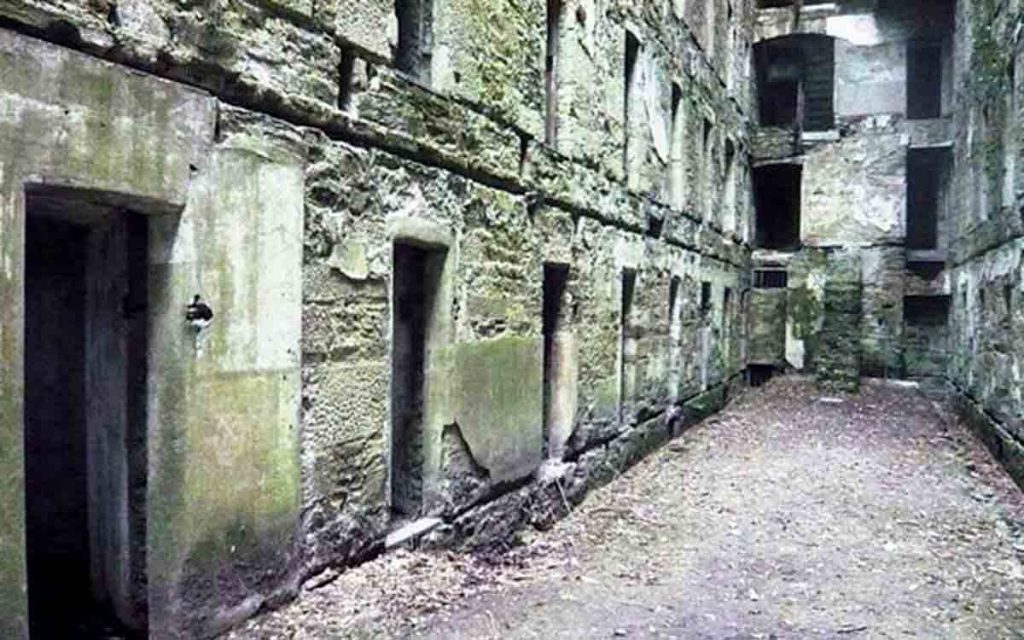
x=985 y=265
x=281 y=155
x=854 y=185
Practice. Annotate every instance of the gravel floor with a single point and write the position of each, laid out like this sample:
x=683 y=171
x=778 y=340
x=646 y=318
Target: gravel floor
x=788 y=515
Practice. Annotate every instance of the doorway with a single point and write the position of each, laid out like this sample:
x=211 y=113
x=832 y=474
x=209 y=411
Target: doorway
x=85 y=368
x=416 y=290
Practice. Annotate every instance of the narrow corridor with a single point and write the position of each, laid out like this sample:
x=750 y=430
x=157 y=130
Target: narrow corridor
x=789 y=515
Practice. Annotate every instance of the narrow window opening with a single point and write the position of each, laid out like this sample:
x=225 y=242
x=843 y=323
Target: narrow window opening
x=627 y=344
x=705 y=298
x=413 y=52
x=557 y=383
x=1010 y=130
x=924 y=79
x=85 y=415
x=346 y=72
x=707 y=186
x=677 y=168
x=415 y=290
x=554 y=19
x=771 y=279
x=675 y=334
x=925 y=171
x=777 y=204
x=729 y=207
x=631 y=57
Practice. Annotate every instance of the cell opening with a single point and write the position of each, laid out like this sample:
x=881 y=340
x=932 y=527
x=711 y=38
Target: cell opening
x=924 y=79
x=627 y=343
x=926 y=174
x=557 y=341
x=777 y=199
x=85 y=415
x=415 y=300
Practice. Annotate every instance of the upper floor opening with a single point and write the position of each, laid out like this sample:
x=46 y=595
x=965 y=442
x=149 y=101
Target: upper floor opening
x=795 y=81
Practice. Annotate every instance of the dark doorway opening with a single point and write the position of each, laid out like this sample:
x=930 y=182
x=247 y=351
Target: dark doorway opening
x=555 y=325
x=759 y=374
x=416 y=288
x=926 y=174
x=85 y=370
x=777 y=204
x=925 y=335
x=924 y=79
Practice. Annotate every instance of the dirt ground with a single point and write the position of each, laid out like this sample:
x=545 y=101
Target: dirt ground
x=788 y=515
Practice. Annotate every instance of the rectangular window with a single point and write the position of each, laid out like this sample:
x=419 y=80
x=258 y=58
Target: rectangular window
x=413 y=53
x=631 y=57
x=924 y=79
x=554 y=17
x=926 y=170
x=705 y=298
x=777 y=205
x=770 y=279
x=677 y=167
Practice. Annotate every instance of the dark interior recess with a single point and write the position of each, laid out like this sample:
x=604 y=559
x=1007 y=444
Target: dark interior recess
x=85 y=421
x=770 y=279
x=758 y=374
x=629 y=71
x=926 y=310
x=777 y=205
x=705 y=298
x=926 y=171
x=417 y=278
x=796 y=77
x=627 y=339
x=554 y=16
x=412 y=55
x=556 y=277
x=924 y=79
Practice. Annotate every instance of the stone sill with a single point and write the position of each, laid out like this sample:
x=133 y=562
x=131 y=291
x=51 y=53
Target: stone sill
x=926 y=255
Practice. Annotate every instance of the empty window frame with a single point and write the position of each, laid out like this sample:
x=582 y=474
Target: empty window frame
x=771 y=279
x=554 y=17
x=927 y=170
x=415 y=26
x=705 y=298
x=777 y=204
x=632 y=55
x=677 y=166
x=924 y=79
x=926 y=310
x=796 y=78
x=729 y=204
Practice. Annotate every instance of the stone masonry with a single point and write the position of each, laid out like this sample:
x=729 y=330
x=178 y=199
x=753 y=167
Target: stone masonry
x=467 y=259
